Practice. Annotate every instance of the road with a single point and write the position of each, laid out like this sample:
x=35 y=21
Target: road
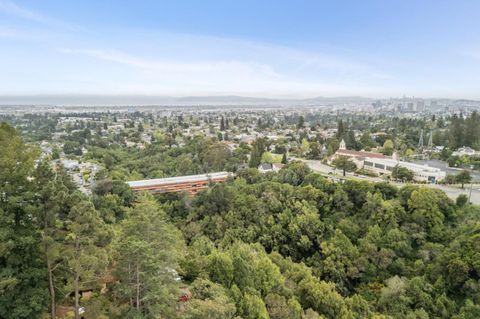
x=451 y=191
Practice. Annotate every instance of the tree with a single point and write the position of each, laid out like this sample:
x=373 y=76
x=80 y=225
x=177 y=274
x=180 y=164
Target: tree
x=425 y=212
x=258 y=148
x=52 y=206
x=301 y=122
x=461 y=200
x=463 y=178
x=280 y=308
x=341 y=130
x=344 y=163
x=215 y=156
x=402 y=173
x=222 y=124
x=388 y=147
x=284 y=158
x=305 y=147
x=253 y=307
x=470 y=310
x=85 y=249
x=71 y=147
x=210 y=301
x=148 y=250
x=366 y=140
x=23 y=283
x=456 y=138
x=472 y=130
x=315 y=150
x=294 y=173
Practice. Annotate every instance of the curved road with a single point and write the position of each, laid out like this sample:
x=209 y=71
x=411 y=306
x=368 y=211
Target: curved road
x=451 y=191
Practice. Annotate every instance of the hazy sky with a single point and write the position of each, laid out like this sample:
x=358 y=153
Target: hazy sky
x=247 y=47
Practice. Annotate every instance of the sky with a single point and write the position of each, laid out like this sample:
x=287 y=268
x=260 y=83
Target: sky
x=262 y=48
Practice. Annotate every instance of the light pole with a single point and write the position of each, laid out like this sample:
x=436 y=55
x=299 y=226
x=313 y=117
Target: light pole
x=470 y=193
x=471 y=186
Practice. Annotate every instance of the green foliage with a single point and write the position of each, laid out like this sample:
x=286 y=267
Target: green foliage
x=402 y=174
x=23 y=285
x=281 y=245
x=462 y=200
x=388 y=147
x=85 y=249
x=147 y=253
x=344 y=163
x=258 y=148
x=209 y=301
x=294 y=173
x=463 y=178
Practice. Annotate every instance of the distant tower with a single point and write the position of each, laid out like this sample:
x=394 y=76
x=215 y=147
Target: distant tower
x=430 y=140
x=420 y=140
x=343 y=146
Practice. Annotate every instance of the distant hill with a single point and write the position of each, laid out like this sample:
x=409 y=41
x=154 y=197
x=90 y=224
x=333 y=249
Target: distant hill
x=132 y=100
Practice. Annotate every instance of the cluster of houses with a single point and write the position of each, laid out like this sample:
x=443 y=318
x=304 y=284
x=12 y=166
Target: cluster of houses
x=466 y=151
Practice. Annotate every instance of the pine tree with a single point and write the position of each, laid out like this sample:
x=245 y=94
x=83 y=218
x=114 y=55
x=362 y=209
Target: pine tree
x=456 y=132
x=222 y=124
x=85 y=249
x=258 y=148
x=52 y=203
x=340 y=130
x=22 y=273
x=301 y=122
x=148 y=251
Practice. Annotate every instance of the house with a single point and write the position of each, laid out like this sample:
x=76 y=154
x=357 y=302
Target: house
x=465 y=151
x=265 y=168
x=70 y=164
x=241 y=166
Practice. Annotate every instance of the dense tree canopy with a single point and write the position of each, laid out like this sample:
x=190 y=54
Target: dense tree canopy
x=280 y=245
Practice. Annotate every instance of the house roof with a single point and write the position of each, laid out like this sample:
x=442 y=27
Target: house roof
x=265 y=166
x=359 y=154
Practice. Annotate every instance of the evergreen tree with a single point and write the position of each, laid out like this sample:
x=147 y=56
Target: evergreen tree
x=23 y=284
x=222 y=124
x=52 y=204
x=284 y=158
x=85 y=249
x=341 y=129
x=456 y=132
x=301 y=122
x=258 y=148
x=148 y=251
x=344 y=163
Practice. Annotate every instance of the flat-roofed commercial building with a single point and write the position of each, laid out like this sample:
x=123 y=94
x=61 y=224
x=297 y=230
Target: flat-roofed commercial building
x=422 y=173
x=190 y=184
